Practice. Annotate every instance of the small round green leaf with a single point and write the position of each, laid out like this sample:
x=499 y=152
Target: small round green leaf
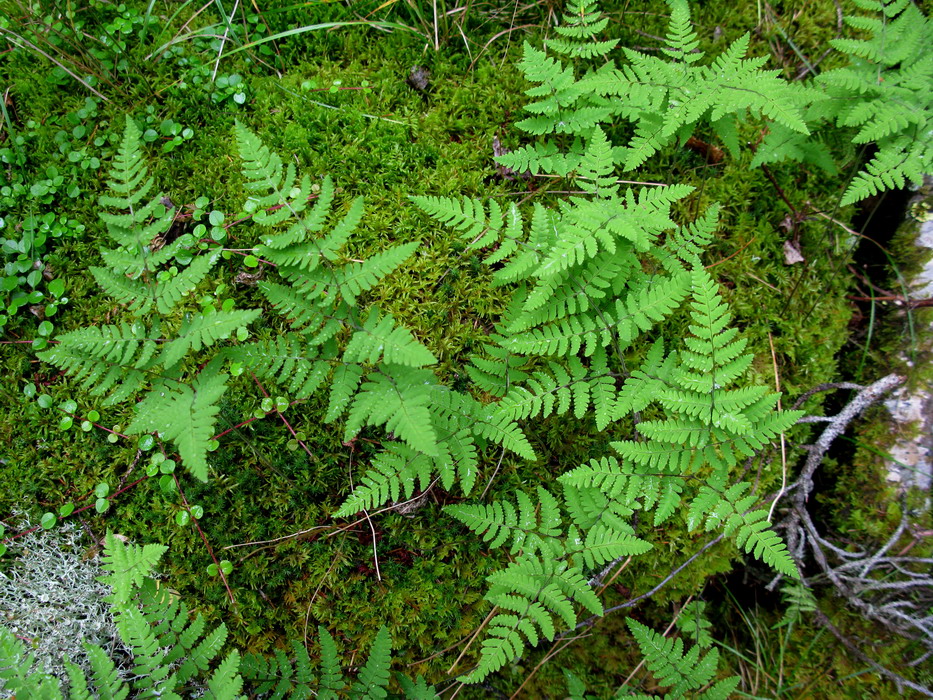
x=102 y=505
x=102 y=490
x=44 y=401
x=145 y=443
x=182 y=518
x=197 y=512
x=251 y=261
x=48 y=520
x=65 y=423
x=66 y=510
x=266 y=405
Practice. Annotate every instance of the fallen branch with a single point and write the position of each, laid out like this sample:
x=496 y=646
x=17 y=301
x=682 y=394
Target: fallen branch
x=895 y=591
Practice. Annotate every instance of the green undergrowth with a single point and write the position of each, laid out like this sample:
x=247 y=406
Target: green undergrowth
x=342 y=107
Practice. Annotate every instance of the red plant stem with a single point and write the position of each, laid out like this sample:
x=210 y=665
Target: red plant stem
x=283 y=419
x=207 y=544
x=78 y=511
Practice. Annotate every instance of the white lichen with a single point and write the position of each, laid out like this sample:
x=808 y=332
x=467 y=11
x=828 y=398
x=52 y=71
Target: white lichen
x=50 y=598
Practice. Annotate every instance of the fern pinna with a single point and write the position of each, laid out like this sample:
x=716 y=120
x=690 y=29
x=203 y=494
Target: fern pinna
x=146 y=352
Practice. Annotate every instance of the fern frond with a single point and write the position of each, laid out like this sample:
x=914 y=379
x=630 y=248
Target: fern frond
x=16 y=674
x=344 y=384
x=106 y=678
x=152 y=675
x=168 y=294
x=577 y=33
x=136 y=294
x=540 y=592
x=356 y=278
x=393 y=474
x=128 y=565
x=399 y=398
x=465 y=215
x=270 y=183
x=890 y=169
x=225 y=683
x=102 y=356
x=287 y=678
x=668 y=662
x=497 y=372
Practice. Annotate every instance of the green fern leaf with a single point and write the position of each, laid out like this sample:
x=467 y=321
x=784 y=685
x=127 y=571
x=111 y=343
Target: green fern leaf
x=168 y=294
x=107 y=682
x=287 y=360
x=374 y=676
x=152 y=675
x=666 y=660
x=531 y=526
x=399 y=398
x=203 y=330
x=127 y=566
x=225 y=683
x=379 y=338
x=185 y=415
x=331 y=676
